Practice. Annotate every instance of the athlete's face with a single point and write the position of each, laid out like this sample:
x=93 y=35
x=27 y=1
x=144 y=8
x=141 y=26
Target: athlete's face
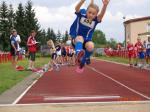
x=139 y=40
x=33 y=34
x=91 y=13
x=15 y=33
x=128 y=42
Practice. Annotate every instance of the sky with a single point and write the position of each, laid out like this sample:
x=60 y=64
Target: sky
x=59 y=14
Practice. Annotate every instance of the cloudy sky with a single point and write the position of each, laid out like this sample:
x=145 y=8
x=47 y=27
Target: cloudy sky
x=59 y=14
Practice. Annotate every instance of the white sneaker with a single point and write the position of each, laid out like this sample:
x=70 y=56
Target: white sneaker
x=29 y=68
x=148 y=66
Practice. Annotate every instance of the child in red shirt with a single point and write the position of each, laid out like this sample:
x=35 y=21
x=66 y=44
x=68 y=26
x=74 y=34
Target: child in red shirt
x=140 y=53
x=32 y=44
x=131 y=53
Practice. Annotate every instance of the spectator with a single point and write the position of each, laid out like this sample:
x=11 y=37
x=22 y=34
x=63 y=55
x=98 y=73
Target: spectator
x=130 y=48
x=148 y=52
x=140 y=53
x=13 y=49
x=18 y=39
x=32 y=48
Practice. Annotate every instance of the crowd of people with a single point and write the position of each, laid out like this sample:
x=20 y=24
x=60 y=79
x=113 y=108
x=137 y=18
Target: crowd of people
x=15 y=49
x=61 y=54
x=140 y=52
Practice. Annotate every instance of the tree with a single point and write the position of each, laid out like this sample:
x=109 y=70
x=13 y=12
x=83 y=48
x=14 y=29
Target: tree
x=49 y=35
x=99 y=38
x=20 y=24
x=11 y=17
x=59 y=36
x=4 y=27
x=31 y=22
x=112 y=43
x=43 y=39
x=53 y=35
x=65 y=37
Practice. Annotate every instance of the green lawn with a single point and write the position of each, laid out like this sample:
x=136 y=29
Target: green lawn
x=9 y=77
x=115 y=59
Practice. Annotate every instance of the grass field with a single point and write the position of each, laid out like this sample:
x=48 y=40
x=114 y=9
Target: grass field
x=10 y=77
x=115 y=59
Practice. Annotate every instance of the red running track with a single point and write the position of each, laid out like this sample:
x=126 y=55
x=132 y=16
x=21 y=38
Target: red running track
x=100 y=82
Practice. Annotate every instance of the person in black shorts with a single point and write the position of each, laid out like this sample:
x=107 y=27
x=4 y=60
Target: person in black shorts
x=53 y=64
x=63 y=54
x=13 y=48
x=71 y=56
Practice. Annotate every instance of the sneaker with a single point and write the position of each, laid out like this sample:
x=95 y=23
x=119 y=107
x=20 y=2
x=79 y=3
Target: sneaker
x=29 y=68
x=131 y=65
x=148 y=66
x=19 y=68
x=141 y=66
x=135 y=64
x=79 y=57
x=56 y=67
x=79 y=70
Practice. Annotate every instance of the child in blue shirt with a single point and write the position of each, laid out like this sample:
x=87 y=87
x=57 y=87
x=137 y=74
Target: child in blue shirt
x=84 y=27
x=13 y=48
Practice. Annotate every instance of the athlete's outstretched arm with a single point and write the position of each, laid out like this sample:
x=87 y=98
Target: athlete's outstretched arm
x=92 y=2
x=101 y=15
x=78 y=6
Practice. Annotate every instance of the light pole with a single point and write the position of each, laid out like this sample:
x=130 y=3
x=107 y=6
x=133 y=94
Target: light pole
x=124 y=18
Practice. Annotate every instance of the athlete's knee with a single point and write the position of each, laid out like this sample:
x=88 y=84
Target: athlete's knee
x=89 y=46
x=79 y=39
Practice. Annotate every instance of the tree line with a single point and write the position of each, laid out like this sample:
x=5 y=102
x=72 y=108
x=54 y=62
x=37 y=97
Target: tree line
x=23 y=19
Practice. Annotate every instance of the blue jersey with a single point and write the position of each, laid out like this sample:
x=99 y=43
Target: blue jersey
x=84 y=27
x=13 y=42
x=148 y=48
x=73 y=28
x=148 y=45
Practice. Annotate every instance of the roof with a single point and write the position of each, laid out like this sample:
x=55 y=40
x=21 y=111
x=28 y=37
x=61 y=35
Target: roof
x=144 y=34
x=137 y=19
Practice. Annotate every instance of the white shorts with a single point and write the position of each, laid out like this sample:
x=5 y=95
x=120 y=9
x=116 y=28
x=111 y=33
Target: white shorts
x=59 y=53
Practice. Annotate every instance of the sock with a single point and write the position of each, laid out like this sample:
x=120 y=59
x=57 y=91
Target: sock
x=87 y=55
x=78 y=47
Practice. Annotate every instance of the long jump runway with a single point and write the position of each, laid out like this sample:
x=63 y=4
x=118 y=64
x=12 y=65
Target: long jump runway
x=101 y=82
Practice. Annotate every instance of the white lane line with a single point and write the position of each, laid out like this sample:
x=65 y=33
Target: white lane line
x=19 y=98
x=81 y=98
x=105 y=75
x=79 y=103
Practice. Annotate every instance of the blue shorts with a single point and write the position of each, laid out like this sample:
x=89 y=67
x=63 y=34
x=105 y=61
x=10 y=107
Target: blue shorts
x=141 y=55
x=148 y=52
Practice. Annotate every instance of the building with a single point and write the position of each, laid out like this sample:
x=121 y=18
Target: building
x=139 y=27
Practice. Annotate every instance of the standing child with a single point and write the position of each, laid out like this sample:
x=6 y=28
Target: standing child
x=53 y=62
x=14 y=47
x=140 y=53
x=86 y=24
x=32 y=48
x=130 y=48
x=148 y=52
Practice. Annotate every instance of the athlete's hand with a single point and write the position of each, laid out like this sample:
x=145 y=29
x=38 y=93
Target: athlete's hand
x=92 y=2
x=105 y=2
